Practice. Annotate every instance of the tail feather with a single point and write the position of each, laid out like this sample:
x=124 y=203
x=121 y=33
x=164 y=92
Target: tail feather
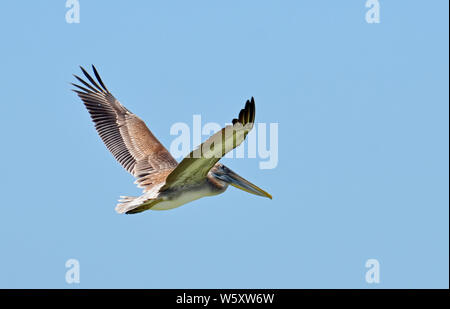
x=126 y=203
x=132 y=205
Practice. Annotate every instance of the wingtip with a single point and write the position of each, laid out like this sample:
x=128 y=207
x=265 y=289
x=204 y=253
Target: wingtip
x=99 y=79
x=94 y=69
x=84 y=71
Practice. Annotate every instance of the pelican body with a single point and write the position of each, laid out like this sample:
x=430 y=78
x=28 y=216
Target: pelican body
x=166 y=184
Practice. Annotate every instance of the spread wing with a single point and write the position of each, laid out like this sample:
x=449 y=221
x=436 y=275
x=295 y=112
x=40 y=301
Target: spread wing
x=125 y=135
x=195 y=166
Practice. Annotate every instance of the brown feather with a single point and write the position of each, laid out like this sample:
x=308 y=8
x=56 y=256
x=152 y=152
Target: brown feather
x=125 y=135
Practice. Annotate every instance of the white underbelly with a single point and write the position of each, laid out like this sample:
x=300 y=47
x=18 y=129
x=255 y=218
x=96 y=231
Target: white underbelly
x=180 y=200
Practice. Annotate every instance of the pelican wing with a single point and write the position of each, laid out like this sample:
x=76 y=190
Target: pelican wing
x=195 y=166
x=125 y=135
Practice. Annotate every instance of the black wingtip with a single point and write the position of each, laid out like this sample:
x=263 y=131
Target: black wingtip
x=92 y=89
x=83 y=70
x=82 y=88
x=89 y=77
x=247 y=114
x=99 y=78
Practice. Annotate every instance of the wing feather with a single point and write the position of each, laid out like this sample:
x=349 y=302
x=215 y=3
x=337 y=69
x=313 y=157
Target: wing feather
x=124 y=134
x=195 y=166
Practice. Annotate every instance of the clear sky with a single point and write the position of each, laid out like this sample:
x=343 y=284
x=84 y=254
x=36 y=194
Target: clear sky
x=362 y=174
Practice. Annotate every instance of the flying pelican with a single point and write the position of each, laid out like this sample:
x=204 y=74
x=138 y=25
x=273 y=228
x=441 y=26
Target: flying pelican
x=166 y=184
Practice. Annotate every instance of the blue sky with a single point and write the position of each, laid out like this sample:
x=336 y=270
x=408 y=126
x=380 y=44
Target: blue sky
x=363 y=143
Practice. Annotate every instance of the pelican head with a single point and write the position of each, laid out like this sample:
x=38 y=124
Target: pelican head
x=221 y=176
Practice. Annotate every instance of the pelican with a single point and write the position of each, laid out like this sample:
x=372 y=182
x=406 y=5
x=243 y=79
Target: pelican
x=165 y=183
